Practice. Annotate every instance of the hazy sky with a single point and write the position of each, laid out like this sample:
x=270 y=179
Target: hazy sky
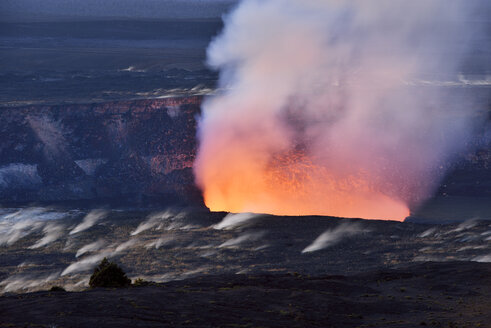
x=19 y=10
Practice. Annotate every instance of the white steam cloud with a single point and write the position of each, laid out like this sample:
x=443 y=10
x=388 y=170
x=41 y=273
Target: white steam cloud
x=92 y=247
x=86 y=264
x=52 y=232
x=324 y=94
x=235 y=220
x=17 y=225
x=168 y=220
x=243 y=239
x=89 y=220
x=332 y=237
x=27 y=282
x=89 y=262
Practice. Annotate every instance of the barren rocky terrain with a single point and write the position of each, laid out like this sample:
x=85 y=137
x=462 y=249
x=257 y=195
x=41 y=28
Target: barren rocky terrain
x=97 y=142
x=452 y=294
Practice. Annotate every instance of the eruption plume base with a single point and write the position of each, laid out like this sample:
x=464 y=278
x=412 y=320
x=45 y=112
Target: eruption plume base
x=292 y=185
x=322 y=83
x=379 y=208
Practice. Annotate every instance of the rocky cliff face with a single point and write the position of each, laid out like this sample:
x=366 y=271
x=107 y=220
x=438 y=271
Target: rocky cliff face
x=131 y=152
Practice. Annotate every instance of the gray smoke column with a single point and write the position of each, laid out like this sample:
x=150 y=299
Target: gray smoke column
x=321 y=110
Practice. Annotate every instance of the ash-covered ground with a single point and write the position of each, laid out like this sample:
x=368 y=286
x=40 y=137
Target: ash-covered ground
x=44 y=247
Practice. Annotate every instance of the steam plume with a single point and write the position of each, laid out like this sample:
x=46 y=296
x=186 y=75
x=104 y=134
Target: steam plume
x=89 y=220
x=321 y=111
x=334 y=236
x=231 y=221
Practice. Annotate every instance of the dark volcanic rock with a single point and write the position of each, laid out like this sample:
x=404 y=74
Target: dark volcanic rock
x=132 y=151
x=453 y=294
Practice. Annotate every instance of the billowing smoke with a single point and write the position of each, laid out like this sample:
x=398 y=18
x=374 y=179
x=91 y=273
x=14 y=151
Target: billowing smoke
x=322 y=107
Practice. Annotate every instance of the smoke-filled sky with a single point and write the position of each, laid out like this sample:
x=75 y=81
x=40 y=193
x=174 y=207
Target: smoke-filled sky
x=325 y=110
x=19 y=10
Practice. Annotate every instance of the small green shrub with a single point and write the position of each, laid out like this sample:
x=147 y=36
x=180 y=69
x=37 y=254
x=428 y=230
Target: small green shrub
x=57 y=289
x=140 y=282
x=108 y=274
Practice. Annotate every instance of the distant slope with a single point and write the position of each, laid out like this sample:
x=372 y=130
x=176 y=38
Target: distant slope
x=49 y=10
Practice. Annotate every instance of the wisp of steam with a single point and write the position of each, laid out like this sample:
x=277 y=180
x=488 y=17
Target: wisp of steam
x=320 y=111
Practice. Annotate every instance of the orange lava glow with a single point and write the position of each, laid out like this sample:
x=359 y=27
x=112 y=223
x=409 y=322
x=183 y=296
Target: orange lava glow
x=292 y=185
